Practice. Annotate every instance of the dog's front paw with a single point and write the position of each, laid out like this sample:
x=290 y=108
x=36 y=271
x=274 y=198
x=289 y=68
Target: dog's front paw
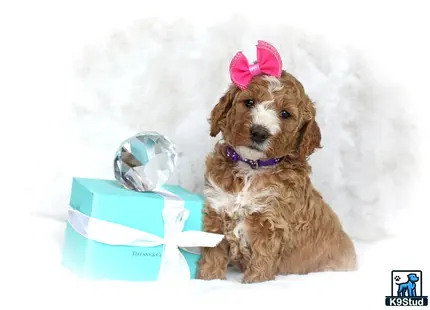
x=252 y=277
x=211 y=273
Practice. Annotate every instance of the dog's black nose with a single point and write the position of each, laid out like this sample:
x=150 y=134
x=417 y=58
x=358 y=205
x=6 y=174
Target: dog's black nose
x=259 y=133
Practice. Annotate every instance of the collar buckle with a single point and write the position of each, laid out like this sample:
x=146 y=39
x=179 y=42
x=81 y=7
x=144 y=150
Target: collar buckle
x=253 y=164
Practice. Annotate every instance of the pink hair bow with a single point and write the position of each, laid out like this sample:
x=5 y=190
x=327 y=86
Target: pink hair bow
x=268 y=62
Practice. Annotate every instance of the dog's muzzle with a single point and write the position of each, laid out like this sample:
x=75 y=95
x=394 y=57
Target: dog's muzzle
x=259 y=134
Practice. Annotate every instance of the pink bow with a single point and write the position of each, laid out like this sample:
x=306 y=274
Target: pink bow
x=268 y=62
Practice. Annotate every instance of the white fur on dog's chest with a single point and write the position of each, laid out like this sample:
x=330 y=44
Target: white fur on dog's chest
x=236 y=204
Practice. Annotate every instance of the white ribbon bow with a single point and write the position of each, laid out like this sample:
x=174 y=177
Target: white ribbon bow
x=173 y=264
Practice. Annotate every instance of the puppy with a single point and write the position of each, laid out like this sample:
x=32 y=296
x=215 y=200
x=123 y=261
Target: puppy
x=258 y=188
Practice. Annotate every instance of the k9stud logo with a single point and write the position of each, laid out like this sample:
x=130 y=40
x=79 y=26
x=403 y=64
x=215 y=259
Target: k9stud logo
x=406 y=289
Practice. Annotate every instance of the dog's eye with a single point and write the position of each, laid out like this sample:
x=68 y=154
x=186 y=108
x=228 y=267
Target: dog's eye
x=285 y=114
x=249 y=103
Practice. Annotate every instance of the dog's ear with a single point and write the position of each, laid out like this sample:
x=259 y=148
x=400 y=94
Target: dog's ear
x=220 y=111
x=310 y=136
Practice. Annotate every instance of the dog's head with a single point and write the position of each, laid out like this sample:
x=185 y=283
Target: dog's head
x=413 y=277
x=270 y=118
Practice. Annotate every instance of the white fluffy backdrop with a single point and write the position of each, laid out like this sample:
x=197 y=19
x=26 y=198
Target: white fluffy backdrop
x=77 y=78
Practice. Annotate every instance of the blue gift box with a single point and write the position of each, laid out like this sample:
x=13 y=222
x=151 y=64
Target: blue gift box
x=109 y=201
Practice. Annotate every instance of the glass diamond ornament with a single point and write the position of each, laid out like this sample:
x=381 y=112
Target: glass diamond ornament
x=145 y=161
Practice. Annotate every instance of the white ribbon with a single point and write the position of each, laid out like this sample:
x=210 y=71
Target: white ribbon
x=173 y=266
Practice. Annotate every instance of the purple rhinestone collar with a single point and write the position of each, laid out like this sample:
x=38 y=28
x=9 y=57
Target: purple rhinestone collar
x=235 y=157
